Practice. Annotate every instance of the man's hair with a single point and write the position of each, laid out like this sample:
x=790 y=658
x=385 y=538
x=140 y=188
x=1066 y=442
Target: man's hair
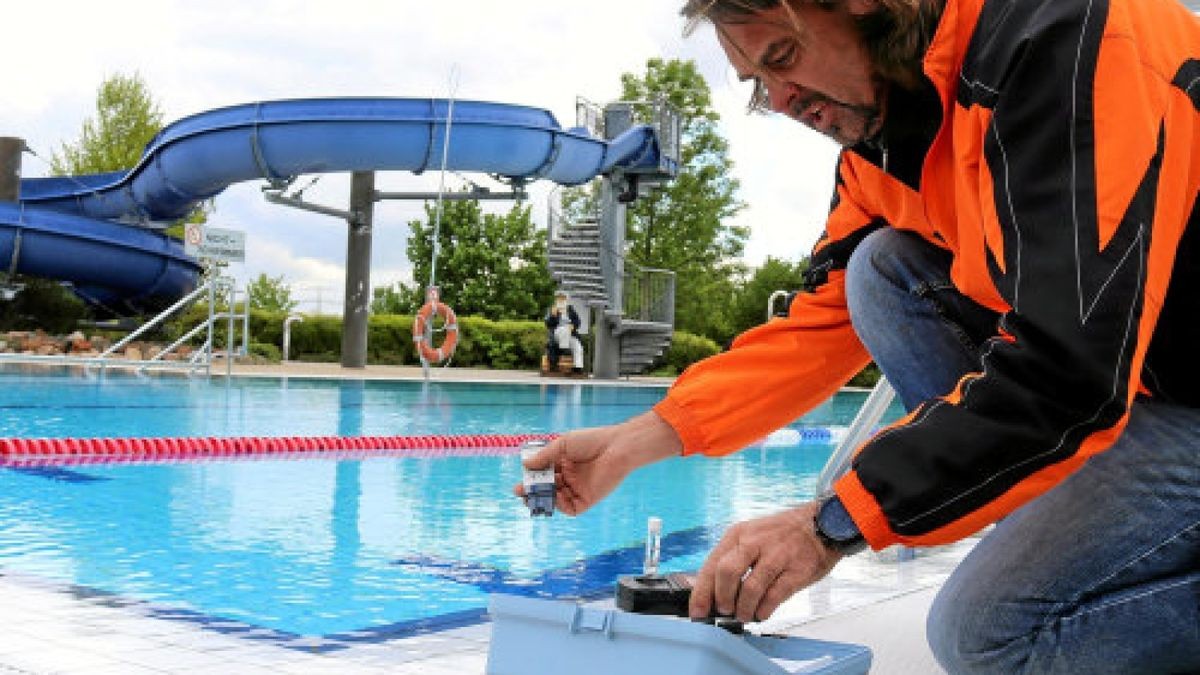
x=896 y=35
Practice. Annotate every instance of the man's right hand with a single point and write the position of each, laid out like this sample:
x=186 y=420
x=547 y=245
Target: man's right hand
x=591 y=463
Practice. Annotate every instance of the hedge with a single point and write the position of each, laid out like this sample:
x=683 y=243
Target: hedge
x=482 y=343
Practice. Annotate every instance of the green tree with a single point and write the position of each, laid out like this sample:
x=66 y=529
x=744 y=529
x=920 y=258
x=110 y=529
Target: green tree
x=270 y=293
x=127 y=118
x=392 y=300
x=750 y=305
x=685 y=225
x=488 y=265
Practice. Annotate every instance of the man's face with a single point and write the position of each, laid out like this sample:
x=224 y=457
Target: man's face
x=818 y=72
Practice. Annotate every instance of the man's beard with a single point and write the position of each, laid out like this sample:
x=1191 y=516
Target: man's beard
x=852 y=123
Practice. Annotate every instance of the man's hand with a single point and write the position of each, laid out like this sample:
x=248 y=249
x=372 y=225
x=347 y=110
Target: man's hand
x=759 y=564
x=590 y=463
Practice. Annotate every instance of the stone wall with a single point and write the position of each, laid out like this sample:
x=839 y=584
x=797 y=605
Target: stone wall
x=39 y=343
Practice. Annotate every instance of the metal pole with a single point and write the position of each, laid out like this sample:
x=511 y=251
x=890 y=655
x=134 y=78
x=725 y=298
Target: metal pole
x=246 y=325
x=358 y=270
x=287 y=335
x=10 y=168
x=473 y=195
x=229 y=340
x=606 y=362
x=212 y=317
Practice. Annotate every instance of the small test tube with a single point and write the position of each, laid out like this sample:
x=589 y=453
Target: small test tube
x=653 y=546
x=539 y=485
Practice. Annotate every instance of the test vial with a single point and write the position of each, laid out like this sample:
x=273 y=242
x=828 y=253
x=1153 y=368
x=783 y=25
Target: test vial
x=539 y=485
x=653 y=546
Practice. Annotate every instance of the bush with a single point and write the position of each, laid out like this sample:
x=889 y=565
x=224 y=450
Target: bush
x=685 y=350
x=482 y=343
x=267 y=351
x=867 y=378
x=42 y=304
x=499 y=344
x=389 y=340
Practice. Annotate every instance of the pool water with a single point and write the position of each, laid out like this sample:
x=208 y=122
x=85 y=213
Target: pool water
x=352 y=549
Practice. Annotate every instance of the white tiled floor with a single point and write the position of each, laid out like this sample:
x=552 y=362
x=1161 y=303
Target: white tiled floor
x=45 y=628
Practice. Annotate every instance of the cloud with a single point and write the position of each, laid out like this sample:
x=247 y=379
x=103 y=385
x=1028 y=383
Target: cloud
x=543 y=53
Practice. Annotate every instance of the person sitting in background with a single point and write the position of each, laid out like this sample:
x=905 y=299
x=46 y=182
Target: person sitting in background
x=562 y=322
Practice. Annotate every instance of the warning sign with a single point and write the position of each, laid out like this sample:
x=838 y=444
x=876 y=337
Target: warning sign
x=214 y=243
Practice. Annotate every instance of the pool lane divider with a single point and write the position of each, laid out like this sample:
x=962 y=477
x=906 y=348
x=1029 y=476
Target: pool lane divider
x=51 y=451
x=34 y=452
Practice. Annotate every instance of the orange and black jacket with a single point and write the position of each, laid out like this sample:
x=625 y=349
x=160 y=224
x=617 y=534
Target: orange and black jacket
x=1059 y=166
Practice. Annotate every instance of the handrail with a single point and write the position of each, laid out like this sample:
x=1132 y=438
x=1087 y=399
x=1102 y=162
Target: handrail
x=649 y=294
x=203 y=356
x=864 y=424
x=188 y=336
x=287 y=334
x=771 y=302
x=185 y=301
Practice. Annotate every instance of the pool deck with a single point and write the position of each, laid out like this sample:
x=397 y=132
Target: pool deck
x=870 y=599
x=335 y=371
x=873 y=599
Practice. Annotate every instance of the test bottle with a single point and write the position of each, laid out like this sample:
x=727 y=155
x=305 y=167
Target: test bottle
x=653 y=546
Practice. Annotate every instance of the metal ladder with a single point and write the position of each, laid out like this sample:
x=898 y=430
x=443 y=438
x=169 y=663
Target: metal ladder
x=216 y=288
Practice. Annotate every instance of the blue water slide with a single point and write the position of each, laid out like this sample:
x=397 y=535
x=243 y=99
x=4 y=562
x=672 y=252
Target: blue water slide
x=199 y=156
x=112 y=265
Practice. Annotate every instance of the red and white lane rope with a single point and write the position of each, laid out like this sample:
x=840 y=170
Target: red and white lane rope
x=43 y=451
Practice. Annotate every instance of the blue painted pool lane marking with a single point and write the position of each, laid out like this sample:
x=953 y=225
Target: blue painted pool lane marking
x=592 y=578
x=56 y=474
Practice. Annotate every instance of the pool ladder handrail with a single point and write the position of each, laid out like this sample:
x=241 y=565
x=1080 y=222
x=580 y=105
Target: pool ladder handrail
x=201 y=359
x=865 y=423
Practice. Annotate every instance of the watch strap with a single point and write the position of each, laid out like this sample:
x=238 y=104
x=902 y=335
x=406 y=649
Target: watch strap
x=836 y=529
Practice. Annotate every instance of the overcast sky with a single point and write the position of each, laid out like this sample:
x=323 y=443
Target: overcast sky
x=200 y=55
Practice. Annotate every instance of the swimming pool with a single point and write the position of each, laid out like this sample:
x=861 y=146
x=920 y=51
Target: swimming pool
x=350 y=550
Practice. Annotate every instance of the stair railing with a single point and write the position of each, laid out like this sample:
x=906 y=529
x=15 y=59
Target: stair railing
x=649 y=294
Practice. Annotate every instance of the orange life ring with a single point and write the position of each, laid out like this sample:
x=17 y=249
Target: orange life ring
x=425 y=342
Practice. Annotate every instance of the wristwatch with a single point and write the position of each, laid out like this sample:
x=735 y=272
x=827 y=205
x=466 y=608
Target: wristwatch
x=836 y=529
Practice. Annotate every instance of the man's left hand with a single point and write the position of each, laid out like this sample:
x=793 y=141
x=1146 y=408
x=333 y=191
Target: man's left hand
x=759 y=564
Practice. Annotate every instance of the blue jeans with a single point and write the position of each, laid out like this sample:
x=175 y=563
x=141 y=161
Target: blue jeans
x=1099 y=575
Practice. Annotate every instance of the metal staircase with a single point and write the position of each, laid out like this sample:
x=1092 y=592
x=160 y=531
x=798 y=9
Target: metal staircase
x=645 y=327
x=634 y=307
